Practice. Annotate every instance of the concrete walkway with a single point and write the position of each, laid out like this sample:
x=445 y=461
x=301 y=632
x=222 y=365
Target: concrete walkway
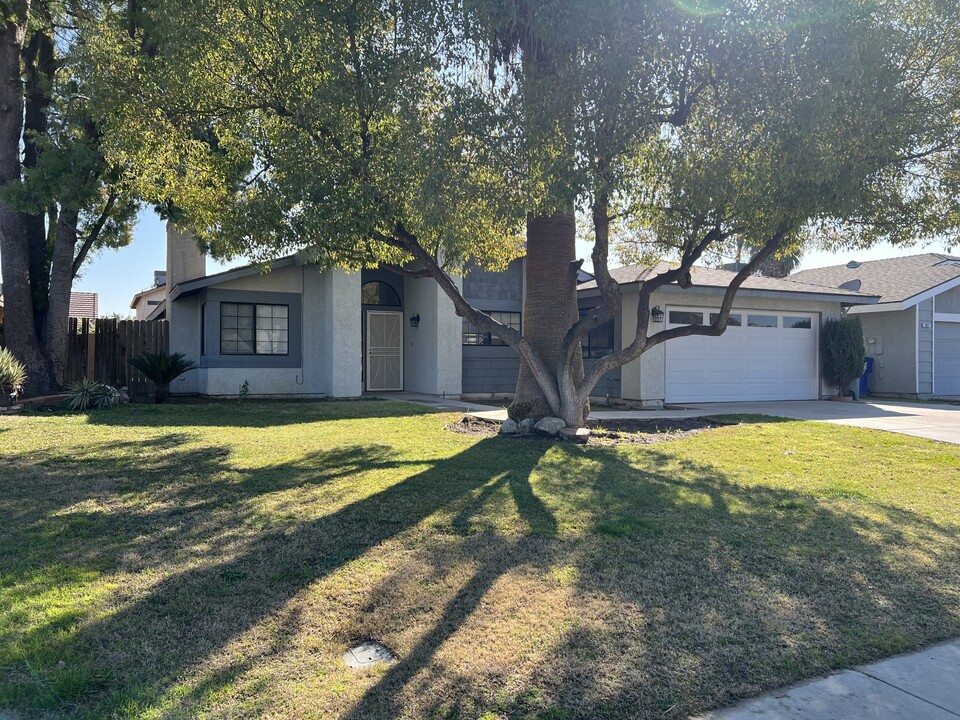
x=923 y=685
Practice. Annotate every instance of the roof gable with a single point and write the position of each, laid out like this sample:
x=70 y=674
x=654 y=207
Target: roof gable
x=717 y=278
x=903 y=280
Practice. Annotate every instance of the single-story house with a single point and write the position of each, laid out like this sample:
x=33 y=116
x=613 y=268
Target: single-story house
x=913 y=332
x=299 y=331
x=82 y=305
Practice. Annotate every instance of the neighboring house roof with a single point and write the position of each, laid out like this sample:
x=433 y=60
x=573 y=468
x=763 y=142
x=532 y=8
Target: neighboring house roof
x=715 y=278
x=900 y=282
x=84 y=305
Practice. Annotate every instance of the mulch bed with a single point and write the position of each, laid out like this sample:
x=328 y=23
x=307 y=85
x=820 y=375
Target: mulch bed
x=606 y=432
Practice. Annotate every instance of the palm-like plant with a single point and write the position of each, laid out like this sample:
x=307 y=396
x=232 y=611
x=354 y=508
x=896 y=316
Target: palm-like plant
x=86 y=394
x=13 y=375
x=162 y=369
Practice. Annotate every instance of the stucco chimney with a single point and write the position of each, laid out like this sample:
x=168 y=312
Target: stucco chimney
x=185 y=260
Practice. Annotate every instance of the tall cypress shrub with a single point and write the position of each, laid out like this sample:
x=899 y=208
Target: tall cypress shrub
x=842 y=351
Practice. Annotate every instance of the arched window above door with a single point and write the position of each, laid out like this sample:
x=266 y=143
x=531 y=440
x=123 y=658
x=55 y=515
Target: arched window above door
x=376 y=292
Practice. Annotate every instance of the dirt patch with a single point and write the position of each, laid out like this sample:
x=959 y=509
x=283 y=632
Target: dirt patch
x=470 y=425
x=606 y=432
x=649 y=432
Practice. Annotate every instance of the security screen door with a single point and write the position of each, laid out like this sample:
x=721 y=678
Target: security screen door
x=384 y=350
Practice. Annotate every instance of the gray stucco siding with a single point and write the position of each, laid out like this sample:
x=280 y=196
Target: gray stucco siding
x=482 y=286
x=893 y=350
x=490 y=369
x=211 y=358
x=948 y=302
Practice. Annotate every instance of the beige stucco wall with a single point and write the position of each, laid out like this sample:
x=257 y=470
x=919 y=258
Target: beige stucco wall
x=143 y=306
x=645 y=379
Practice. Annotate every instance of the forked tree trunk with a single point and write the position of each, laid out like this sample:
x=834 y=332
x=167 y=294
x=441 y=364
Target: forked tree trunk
x=21 y=321
x=549 y=309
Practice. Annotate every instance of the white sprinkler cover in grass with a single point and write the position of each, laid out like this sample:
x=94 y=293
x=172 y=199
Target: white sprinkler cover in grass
x=367 y=654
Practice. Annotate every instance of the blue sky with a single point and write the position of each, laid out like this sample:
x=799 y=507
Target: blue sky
x=118 y=274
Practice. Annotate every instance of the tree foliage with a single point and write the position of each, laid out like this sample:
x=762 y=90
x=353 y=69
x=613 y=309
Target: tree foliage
x=416 y=133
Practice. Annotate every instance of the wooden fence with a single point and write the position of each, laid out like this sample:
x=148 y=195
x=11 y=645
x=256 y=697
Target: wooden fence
x=99 y=350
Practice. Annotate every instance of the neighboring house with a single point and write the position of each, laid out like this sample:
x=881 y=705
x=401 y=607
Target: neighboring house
x=913 y=333
x=298 y=331
x=150 y=304
x=84 y=305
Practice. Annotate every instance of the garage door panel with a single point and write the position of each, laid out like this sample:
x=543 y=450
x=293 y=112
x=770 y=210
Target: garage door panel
x=745 y=363
x=946 y=363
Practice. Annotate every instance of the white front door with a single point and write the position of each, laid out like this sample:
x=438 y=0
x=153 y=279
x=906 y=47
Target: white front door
x=384 y=350
x=762 y=355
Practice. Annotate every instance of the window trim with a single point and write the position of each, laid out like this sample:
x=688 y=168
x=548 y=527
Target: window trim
x=213 y=359
x=255 y=314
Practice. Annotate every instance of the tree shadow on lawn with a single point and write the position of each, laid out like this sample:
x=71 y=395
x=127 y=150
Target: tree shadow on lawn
x=254 y=413
x=685 y=595
x=231 y=581
x=546 y=579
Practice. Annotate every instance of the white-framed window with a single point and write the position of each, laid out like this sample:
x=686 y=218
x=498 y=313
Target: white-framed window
x=254 y=329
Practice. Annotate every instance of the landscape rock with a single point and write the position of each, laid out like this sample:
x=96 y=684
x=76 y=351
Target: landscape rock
x=526 y=425
x=576 y=435
x=509 y=427
x=550 y=425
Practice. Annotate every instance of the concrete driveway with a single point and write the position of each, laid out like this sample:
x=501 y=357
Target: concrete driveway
x=926 y=420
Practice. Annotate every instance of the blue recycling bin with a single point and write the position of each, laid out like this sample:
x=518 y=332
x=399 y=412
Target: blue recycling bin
x=862 y=389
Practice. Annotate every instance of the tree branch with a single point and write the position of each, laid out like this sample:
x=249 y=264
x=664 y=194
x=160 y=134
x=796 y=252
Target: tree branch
x=94 y=234
x=511 y=337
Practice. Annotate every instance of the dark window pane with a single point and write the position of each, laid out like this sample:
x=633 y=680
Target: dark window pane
x=733 y=320
x=684 y=317
x=802 y=323
x=379 y=293
x=762 y=321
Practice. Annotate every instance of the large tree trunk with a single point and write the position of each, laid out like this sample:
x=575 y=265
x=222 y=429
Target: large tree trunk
x=549 y=309
x=61 y=280
x=20 y=320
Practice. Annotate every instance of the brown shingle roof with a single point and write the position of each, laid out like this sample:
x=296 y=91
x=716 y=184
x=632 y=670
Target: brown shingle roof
x=712 y=277
x=84 y=305
x=893 y=279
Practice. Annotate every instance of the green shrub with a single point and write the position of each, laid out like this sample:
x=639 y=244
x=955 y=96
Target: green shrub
x=161 y=369
x=13 y=375
x=841 y=351
x=91 y=395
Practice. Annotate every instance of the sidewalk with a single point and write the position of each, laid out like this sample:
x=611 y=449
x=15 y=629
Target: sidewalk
x=924 y=685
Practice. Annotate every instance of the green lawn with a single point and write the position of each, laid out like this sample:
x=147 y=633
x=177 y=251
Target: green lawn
x=217 y=560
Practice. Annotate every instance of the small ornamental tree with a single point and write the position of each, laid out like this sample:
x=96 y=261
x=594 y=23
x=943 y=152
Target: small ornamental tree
x=842 y=351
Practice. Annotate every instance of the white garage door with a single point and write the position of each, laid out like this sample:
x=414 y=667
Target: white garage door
x=946 y=358
x=763 y=355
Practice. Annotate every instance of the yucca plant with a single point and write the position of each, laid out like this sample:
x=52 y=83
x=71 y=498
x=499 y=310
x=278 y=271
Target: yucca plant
x=162 y=369
x=88 y=394
x=13 y=376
